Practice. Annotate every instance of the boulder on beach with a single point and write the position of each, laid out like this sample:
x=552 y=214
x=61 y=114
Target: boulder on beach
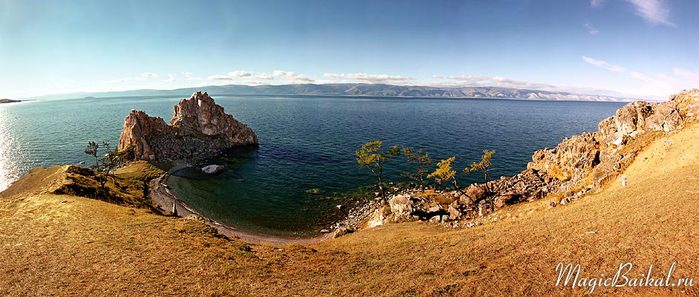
x=213 y=169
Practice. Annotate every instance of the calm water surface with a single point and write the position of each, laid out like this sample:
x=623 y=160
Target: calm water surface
x=305 y=143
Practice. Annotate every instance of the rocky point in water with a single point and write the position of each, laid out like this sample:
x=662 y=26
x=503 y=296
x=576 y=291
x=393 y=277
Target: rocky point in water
x=199 y=129
x=9 y=101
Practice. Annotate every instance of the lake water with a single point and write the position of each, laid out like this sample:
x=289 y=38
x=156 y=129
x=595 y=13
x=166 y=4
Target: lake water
x=305 y=143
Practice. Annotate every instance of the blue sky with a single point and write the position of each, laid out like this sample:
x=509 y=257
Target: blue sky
x=640 y=47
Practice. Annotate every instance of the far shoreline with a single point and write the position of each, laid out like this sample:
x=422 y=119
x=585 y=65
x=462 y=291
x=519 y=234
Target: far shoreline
x=346 y=97
x=8 y=101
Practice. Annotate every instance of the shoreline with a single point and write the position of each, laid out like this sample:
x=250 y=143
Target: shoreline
x=169 y=204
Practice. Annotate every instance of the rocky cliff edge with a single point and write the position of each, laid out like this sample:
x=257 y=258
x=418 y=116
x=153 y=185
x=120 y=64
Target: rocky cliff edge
x=580 y=164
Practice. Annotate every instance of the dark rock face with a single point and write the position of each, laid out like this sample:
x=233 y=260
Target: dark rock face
x=199 y=129
x=578 y=165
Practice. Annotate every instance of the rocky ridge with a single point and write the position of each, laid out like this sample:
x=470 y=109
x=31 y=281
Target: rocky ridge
x=580 y=164
x=199 y=129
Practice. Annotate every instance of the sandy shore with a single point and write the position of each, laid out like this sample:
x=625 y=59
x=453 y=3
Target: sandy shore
x=168 y=203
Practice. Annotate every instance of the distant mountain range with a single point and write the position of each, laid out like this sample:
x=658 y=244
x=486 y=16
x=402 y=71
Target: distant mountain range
x=357 y=90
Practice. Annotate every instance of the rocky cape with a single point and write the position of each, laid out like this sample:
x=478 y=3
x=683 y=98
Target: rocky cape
x=9 y=101
x=199 y=129
x=578 y=165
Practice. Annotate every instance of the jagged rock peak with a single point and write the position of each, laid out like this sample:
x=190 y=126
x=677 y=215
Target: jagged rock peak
x=199 y=113
x=199 y=129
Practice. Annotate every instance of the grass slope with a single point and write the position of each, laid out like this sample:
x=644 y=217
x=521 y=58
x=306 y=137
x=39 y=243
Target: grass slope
x=58 y=244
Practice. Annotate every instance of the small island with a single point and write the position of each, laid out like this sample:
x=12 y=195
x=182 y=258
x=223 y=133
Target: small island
x=9 y=101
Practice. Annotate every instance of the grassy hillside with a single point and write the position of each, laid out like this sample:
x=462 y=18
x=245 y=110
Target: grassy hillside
x=66 y=245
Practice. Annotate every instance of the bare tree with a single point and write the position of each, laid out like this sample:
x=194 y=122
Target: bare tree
x=371 y=156
x=107 y=163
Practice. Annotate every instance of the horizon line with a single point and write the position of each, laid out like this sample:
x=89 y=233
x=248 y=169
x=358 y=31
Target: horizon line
x=625 y=97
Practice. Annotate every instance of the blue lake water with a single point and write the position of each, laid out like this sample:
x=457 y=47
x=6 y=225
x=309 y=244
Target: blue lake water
x=305 y=143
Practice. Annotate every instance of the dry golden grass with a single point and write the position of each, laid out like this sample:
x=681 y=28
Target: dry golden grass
x=51 y=244
x=126 y=186
x=138 y=170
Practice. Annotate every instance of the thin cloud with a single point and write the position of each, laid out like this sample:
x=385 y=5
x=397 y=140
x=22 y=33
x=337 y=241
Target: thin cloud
x=190 y=76
x=170 y=78
x=679 y=79
x=470 y=79
x=242 y=75
x=653 y=83
x=686 y=74
x=603 y=64
x=370 y=78
x=239 y=73
x=497 y=81
x=118 y=81
x=660 y=81
x=654 y=12
x=220 y=77
x=247 y=77
x=596 y=3
x=291 y=76
x=591 y=29
x=146 y=76
x=142 y=80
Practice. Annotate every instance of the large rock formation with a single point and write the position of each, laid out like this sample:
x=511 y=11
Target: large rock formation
x=199 y=129
x=578 y=165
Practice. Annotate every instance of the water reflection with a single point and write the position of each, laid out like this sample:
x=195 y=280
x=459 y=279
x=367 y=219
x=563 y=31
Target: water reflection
x=11 y=157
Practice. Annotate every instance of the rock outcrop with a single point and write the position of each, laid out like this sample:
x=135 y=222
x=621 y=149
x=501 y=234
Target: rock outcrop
x=213 y=169
x=578 y=165
x=199 y=129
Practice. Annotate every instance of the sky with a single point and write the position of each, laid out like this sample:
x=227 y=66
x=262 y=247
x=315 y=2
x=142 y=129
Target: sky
x=635 y=47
